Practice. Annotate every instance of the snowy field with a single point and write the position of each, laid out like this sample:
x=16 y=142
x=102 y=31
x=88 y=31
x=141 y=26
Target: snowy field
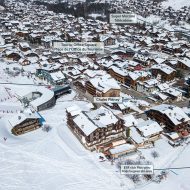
x=177 y=179
x=176 y=4
x=53 y=160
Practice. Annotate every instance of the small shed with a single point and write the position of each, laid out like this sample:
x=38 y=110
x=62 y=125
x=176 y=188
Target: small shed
x=121 y=150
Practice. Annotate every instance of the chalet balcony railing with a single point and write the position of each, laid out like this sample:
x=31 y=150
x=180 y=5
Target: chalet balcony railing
x=104 y=139
x=114 y=132
x=28 y=123
x=27 y=127
x=21 y=130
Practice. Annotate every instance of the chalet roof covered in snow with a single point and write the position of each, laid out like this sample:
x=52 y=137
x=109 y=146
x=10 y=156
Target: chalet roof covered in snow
x=94 y=73
x=160 y=95
x=159 y=60
x=149 y=83
x=129 y=120
x=24 y=44
x=19 y=118
x=102 y=117
x=104 y=83
x=138 y=74
x=122 y=148
x=174 y=113
x=173 y=92
x=163 y=67
x=135 y=136
x=185 y=61
x=56 y=76
x=74 y=110
x=163 y=86
x=89 y=121
x=85 y=124
x=105 y=37
x=149 y=128
x=118 y=70
x=49 y=67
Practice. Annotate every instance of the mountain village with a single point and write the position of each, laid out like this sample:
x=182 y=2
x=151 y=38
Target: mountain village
x=146 y=65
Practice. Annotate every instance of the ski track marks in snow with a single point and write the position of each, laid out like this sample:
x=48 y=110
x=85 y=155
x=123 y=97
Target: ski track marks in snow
x=54 y=160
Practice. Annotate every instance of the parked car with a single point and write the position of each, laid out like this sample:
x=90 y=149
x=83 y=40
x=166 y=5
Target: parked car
x=174 y=144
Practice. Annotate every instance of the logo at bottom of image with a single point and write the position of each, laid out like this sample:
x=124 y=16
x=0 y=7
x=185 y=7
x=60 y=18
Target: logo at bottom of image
x=137 y=169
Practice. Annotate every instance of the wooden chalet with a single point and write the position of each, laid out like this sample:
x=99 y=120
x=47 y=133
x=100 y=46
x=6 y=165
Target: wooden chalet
x=173 y=117
x=104 y=86
x=184 y=64
x=163 y=72
x=95 y=128
x=24 y=122
x=118 y=74
x=24 y=46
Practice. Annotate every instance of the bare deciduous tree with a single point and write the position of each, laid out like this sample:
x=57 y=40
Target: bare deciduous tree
x=148 y=177
x=134 y=177
x=46 y=127
x=154 y=154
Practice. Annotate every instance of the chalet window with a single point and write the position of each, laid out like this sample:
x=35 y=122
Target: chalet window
x=87 y=139
x=91 y=137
